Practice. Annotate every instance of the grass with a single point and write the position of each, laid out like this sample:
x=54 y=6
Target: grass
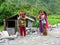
x=1 y=28
x=54 y=19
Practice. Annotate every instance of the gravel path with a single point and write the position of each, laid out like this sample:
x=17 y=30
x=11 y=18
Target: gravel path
x=53 y=38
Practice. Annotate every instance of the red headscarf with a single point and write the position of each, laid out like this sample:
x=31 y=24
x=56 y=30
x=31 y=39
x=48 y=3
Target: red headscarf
x=22 y=13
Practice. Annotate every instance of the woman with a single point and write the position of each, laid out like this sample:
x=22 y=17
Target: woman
x=44 y=22
x=40 y=22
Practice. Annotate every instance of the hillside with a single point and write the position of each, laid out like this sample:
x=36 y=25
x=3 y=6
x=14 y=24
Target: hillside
x=11 y=7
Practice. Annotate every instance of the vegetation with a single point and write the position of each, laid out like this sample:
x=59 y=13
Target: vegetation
x=54 y=19
x=11 y=7
x=1 y=28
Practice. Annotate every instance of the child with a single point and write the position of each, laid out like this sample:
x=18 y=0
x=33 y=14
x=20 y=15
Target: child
x=22 y=23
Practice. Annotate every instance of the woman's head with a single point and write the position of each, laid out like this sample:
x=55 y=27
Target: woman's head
x=40 y=12
x=22 y=13
x=45 y=13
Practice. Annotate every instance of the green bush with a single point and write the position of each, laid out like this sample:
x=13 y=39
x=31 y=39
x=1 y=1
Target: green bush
x=36 y=24
x=1 y=28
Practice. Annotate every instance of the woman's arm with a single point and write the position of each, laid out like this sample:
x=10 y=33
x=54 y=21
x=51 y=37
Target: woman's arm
x=39 y=18
x=23 y=18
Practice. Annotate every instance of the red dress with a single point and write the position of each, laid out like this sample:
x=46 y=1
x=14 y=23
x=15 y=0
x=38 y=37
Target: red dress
x=22 y=28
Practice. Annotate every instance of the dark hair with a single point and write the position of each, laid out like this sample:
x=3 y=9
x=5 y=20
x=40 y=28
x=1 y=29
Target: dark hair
x=45 y=13
x=39 y=11
x=23 y=12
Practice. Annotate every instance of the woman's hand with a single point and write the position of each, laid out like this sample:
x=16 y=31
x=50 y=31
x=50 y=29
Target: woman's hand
x=39 y=18
x=23 y=18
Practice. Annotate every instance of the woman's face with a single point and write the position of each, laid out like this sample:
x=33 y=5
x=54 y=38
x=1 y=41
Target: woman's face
x=43 y=13
x=40 y=13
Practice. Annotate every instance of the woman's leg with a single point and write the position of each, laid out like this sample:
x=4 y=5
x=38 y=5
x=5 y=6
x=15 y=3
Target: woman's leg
x=44 y=29
x=24 y=31
x=40 y=27
x=21 y=31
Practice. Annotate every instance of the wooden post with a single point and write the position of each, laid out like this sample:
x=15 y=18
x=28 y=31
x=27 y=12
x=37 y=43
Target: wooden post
x=4 y=24
x=18 y=24
x=15 y=26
